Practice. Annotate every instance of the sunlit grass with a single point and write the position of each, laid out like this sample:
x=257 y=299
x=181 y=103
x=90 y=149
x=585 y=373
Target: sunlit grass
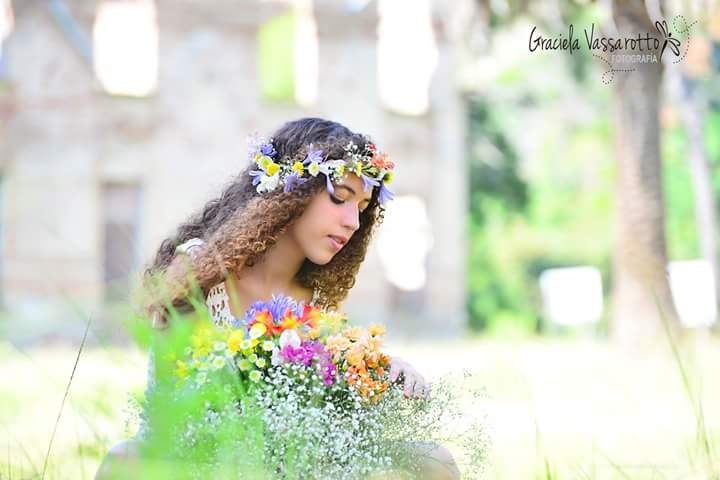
x=555 y=409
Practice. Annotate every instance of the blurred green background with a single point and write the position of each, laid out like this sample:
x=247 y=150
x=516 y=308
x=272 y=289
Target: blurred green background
x=517 y=163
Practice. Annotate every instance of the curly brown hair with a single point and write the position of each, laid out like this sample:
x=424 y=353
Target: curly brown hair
x=241 y=224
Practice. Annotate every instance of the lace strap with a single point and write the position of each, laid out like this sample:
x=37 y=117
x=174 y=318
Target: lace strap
x=218 y=303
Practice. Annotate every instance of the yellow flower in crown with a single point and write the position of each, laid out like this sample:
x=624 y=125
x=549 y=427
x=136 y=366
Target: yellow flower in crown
x=263 y=161
x=272 y=168
x=388 y=178
x=364 y=160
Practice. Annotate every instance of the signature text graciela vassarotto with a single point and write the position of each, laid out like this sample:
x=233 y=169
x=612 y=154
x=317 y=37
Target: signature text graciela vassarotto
x=645 y=42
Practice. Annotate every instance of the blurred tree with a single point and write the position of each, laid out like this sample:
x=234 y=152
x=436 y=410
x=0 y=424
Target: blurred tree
x=640 y=251
x=495 y=186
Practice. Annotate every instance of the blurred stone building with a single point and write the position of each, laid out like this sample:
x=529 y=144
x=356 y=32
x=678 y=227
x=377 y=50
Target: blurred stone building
x=120 y=118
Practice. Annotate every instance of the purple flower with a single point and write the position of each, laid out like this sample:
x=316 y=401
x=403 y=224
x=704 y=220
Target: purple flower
x=329 y=184
x=293 y=180
x=313 y=156
x=281 y=304
x=385 y=194
x=256 y=174
x=368 y=182
x=267 y=149
x=310 y=352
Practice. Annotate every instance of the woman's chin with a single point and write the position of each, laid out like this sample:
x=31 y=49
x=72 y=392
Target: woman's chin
x=321 y=258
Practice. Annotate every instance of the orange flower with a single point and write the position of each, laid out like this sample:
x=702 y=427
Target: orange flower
x=265 y=317
x=355 y=356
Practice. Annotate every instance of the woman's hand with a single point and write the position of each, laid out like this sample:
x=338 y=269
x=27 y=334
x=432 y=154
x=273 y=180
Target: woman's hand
x=414 y=383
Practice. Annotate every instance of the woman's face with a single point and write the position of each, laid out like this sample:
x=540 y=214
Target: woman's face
x=330 y=220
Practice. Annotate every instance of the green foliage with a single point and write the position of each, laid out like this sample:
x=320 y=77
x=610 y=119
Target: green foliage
x=276 y=58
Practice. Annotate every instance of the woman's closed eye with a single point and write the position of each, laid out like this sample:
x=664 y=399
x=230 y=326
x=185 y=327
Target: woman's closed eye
x=340 y=201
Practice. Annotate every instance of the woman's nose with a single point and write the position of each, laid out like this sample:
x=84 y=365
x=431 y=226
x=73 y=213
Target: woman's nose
x=351 y=219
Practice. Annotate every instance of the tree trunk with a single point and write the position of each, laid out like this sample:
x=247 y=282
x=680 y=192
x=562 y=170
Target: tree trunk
x=687 y=101
x=641 y=292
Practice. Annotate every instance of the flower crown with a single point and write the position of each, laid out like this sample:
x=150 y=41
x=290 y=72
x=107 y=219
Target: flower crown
x=368 y=163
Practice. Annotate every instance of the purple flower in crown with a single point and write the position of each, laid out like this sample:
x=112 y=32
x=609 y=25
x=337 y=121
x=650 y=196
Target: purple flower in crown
x=258 y=146
x=293 y=180
x=257 y=175
x=368 y=182
x=329 y=185
x=267 y=149
x=315 y=156
x=385 y=195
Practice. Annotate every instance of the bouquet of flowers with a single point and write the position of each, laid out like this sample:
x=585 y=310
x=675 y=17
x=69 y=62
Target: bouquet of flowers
x=290 y=391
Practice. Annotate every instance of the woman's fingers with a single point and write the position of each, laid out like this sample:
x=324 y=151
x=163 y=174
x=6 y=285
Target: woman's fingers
x=420 y=384
x=394 y=370
x=409 y=385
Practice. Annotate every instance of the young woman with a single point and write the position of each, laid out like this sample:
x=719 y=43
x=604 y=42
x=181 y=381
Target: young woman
x=296 y=221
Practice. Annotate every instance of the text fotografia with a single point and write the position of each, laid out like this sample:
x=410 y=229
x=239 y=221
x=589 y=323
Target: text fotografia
x=642 y=42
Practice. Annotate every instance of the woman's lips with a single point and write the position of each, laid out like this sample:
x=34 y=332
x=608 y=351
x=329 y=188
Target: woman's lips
x=336 y=242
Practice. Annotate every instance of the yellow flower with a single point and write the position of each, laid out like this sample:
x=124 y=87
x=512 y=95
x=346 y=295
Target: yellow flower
x=235 y=339
x=181 y=369
x=388 y=178
x=257 y=330
x=298 y=167
x=314 y=333
x=272 y=168
x=331 y=321
x=376 y=330
x=355 y=356
x=374 y=344
x=263 y=161
x=358 y=168
x=201 y=342
x=289 y=322
x=337 y=343
x=340 y=170
x=353 y=333
x=268 y=345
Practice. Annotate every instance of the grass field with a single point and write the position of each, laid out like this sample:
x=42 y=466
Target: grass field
x=555 y=408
